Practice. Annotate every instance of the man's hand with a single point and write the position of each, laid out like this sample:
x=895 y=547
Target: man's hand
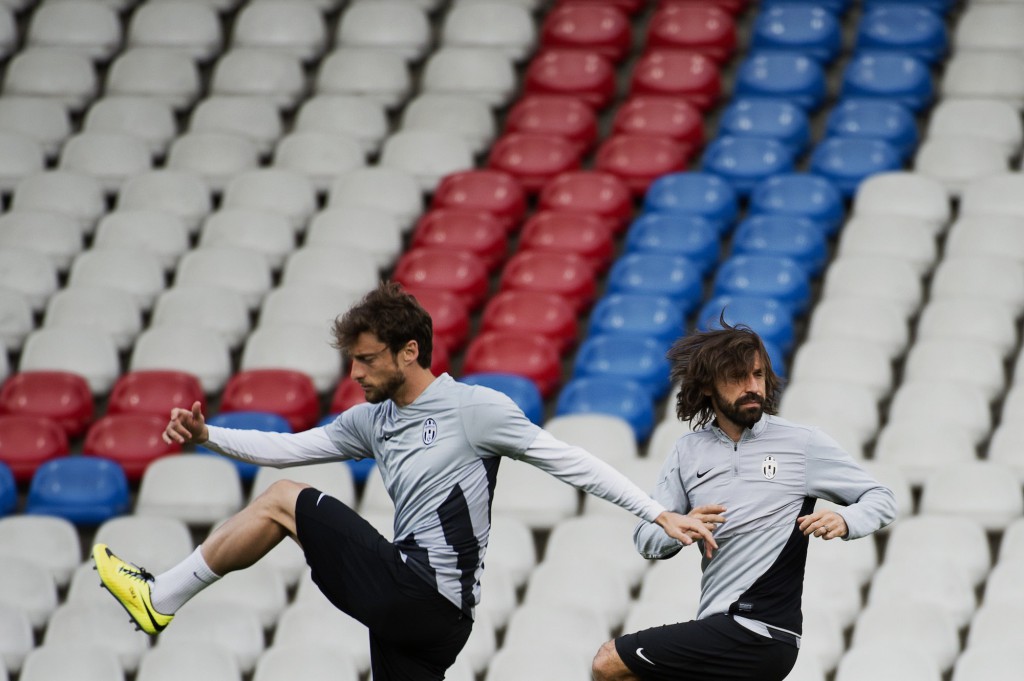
x=709 y=514
x=686 y=529
x=187 y=427
x=824 y=524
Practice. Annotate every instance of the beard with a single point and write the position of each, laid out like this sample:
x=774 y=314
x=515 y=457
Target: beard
x=376 y=394
x=744 y=412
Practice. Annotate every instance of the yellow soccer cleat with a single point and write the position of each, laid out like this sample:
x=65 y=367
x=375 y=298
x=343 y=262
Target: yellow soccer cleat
x=129 y=584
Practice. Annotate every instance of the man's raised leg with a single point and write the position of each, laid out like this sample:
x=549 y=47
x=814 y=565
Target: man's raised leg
x=608 y=666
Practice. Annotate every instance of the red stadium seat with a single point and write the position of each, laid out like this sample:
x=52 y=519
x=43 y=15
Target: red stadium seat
x=283 y=392
x=476 y=231
x=347 y=394
x=27 y=442
x=532 y=313
x=702 y=28
x=560 y=115
x=627 y=6
x=563 y=274
x=532 y=158
x=439 y=269
x=534 y=357
x=440 y=358
x=677 y=73
x=640 y=159
x=484 y=189
x=604 y=29
x=155 y=392
x=676 y=119
x=586 y=191
x=583 y=234
x=732 y=7
x=448 y=314
x=58 y=395
x=578 y=73
x=132 y=440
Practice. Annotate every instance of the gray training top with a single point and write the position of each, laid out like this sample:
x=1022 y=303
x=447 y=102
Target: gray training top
x=768 y=479
x=438 y=458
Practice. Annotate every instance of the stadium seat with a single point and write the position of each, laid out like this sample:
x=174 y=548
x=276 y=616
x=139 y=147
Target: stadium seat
x=45 y=121
x=844 y=361
x=886 y=663
x=985 y=661
x=998 y=278
x=602 y=592
x=284 y=392
x=598 y=193
x=655 y=274
x=772 y=319
x=347 y=394
x=181 y=193
x=253 y=117
x=217 y=157
x=894 y=237
x=295 y=30
x=314 y=663
x=86 y=351
x=584 y=74
x=355 y=117
x=847 y=161
x=577 y=540
x=294 y=347
x=16 y=319
x=923 y=401
x=957 y=161
x=488 y=190
x=373 y=231
x=907 y=29
x=30 y=274
x=919 y=450
x=27 y=442
x=192 y=30
x=697 y=193
x=448 y=315
x=863 y=319
x=782 y=75
x=49 y=543
x=995 y=195
x=533 y=158
x=85 y=490
x=515 y=353
x=22 y=157
x=133 y=270
x=62 y=191
x=690 y=76
x=389 y=189
x=199 y=660
x=527 y=661
x=264 y=232
x=52 y=73
x=154 y=393
x=934 y=631
x=701 y=27
x=59 y=661
x=466 y=117
x=164 y=235
x=564 y=274
x=132 y=440
x=195 y=350
x=987 y=27
x=427 y=155
x=535 y=313
x=790 y=236
x=896 y=76
x=833 y=406
x=558 y=231
x=987 y=491
x=907 y=194
x=148 y=119
x=669 y=117
x=199 y=490
x=982 y=118
x=638 y=160
x=259 y=589
x=762 y=275
x=62 y=396
x=800 y=28
x=472 y=231
x=880 y=119
x=689 y=236
x=398 y=27
x=28 y=591
x=458 y=272
x=488 y=75
x=550 y=502
x=379 y=75
x=650 y=316
x=503 y=27
x=56 y=236
x=93 y=31
x=110 y=157
x=312 y=621
x=339 y=267
x=250 y=72
x=561 y=115
x=747 y=161
x=872 y=277
x=604 y=29
x=276 y=189
x=625 y=357
x=165 y=75
x=520 y=389
x=219 y=309
x=776 y=119
x=626 y=399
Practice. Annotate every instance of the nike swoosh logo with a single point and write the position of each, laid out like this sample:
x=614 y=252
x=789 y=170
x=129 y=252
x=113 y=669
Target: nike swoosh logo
x=152 y=619
x=640 y=654
x=701 y=475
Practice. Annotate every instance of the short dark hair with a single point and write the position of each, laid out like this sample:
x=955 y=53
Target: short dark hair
x=701 y=359
x=393 y=316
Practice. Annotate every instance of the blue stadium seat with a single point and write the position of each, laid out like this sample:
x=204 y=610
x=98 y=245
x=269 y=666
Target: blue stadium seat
x=360 y=468
x=766 y=276
x=659 y=275
x=655 y=317
x=775 y=118
x=777 y=357
x=801 y=195
x=782 y=75
x=520 y=389
x=247 y=420
x=889 y=75
x=875 y=119
x=771 y=319
x=689 y=236
x=602 y=395
x=938 y=6
x=803 y=28
x=625 y=356
x=746 y=161
x=793 y=237
x=912 y=29
x=87 y=490
x=847 y=161
x=836 y=7
x=695 y=193
x=8 y=490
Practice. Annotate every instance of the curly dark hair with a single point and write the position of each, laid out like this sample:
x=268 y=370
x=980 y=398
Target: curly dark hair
x=393 y=316
x=701 y=359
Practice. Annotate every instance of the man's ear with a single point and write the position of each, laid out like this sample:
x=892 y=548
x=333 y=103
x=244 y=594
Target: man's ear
x=410 y=352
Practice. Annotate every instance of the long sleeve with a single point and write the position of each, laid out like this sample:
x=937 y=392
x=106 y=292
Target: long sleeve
x=274 y=449
x=648 y=538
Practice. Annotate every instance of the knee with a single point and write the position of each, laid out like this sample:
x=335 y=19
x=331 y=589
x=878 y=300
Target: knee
x=604 y=666
x=278 y=500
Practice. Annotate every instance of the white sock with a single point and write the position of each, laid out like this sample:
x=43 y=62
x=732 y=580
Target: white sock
x=172 y=589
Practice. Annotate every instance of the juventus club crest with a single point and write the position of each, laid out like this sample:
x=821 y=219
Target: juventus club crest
x=429 y=431
x=769 y=467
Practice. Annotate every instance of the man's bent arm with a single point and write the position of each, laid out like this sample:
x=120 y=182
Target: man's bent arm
x=274 y=449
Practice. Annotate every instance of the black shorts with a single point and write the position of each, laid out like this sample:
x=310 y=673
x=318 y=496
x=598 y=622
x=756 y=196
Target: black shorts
x=716 y=648
x=415 y=632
